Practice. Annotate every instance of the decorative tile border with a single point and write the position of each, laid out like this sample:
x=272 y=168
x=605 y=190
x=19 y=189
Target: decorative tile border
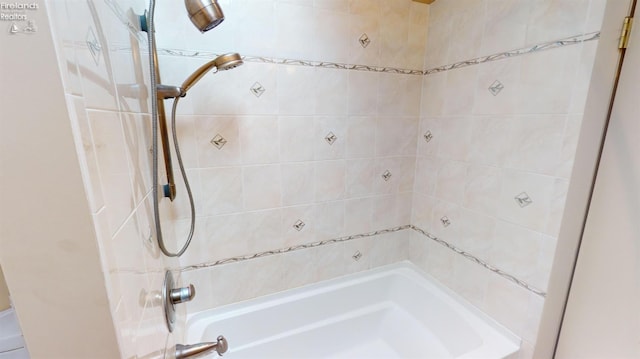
x=294 y=62
x=357 y=255
x=295 y=248
x=332 y=65
x=573 y=40
x=479 y=261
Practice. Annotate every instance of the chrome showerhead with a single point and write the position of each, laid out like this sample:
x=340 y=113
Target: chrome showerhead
x=204 y=14
x=221 y=63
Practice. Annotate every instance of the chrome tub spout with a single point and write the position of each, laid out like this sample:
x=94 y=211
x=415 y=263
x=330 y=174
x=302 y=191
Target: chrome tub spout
x=194 y=350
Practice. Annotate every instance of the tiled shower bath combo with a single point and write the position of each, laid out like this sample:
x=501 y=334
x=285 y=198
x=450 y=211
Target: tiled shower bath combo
x=357 y=134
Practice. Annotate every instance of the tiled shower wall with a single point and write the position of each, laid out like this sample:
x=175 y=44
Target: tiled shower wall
x=308 y=153
x=498 y=138
x=108 y=102
x=292 y=148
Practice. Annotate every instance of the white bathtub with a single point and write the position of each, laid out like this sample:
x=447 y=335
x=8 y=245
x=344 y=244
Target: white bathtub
x=11 y=340
x=388 y=312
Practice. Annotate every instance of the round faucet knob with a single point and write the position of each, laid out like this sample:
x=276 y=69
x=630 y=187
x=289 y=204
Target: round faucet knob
x=181 y=295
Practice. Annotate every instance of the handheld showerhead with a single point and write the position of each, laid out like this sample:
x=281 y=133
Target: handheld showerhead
x=204 y=14
x=221 y=63
x=228 y=61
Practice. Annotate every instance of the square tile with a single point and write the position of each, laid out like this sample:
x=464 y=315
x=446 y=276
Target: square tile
x=357 y=256
x=428 y=136
x=218 y=141
x=299 y=225
x=364 y=40
x=523 y=199
x=330 y=138
x=257 y=89
x=386 y=175
x=496 y=87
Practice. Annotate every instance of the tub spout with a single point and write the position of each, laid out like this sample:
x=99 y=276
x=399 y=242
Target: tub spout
x=194 y=350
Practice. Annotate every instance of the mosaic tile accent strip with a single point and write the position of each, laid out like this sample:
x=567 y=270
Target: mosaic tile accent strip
x=479 y=261
x=428 y=136
x=331 y=138
x=295 y=248
x=356 y=256
x=218 y=141
x=523 y=199
x=257 y=89
x=496 y=87
x=469 y=256
x=94 y=46
x=573 y=40
x=298 y=225
x=364 y=40
x=294 y=62
x=331 y=65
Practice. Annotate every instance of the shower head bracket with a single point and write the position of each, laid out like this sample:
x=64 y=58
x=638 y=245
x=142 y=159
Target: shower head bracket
x=144 y=25
x=168 y=91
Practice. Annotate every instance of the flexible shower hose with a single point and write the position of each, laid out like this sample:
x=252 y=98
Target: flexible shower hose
x=154 y=120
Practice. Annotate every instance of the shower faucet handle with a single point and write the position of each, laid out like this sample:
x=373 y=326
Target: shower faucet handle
x=181 y=295
x=172 y=296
